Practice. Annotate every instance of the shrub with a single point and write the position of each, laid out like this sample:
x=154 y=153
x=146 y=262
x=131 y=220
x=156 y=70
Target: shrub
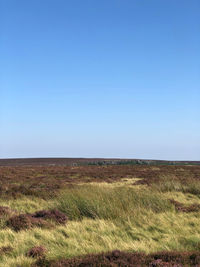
x=5 y=250
x=37 y=219
x=5 y=211
x=19 y=222
x=182 y=208
x=128 y=259
x=53 y=214
x=25 y=221
x=36 y=252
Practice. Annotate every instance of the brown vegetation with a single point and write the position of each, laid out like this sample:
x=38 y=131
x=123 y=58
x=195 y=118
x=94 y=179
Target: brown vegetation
x=182 y=208
x=5 y=250
x=128 y=259
x=45 y=182
x=26 y=221
x=37 y=219
x=4 y=211
x=36 y=252
x=48 y=181
x=53 y=214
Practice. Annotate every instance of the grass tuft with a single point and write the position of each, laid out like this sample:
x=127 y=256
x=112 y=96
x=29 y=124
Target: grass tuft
x=109 y=203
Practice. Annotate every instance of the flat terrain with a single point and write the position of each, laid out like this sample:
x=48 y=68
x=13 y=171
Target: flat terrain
x=91 y=215
x=84 y=161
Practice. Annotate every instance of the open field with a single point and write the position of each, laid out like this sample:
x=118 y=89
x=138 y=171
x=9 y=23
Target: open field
x=90 y=215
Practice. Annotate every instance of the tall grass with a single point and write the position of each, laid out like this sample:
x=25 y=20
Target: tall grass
x=155 y=232
x=97 y=202
x=105 y=217
x=168 y=184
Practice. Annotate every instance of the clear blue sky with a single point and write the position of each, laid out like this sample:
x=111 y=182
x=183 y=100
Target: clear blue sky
x=103 y=78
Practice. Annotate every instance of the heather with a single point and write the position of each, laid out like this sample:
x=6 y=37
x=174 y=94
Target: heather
x=113 y=215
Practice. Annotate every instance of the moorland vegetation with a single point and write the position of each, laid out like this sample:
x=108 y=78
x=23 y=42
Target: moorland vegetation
x=110 y=215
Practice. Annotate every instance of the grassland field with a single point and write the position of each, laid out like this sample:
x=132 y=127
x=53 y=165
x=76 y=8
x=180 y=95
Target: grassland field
x=114 y=215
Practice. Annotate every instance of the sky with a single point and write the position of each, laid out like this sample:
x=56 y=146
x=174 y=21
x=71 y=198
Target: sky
x=103 y=78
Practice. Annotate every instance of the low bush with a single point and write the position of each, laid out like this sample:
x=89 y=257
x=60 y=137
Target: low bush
x=26 y=221
x=54 y=215
x=37 y=219
x=182 y=208
x=36 y=252
x=5 y=250
x=4 y=211
x=46 y=181
x=129 y=259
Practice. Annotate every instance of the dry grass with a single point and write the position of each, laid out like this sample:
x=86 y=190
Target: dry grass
x=114 y=213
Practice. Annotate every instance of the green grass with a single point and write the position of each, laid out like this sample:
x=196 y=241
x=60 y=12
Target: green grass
x=168 y=184
x=149 y=233
x=104 y=217
x=101 y=202
x=26 y=204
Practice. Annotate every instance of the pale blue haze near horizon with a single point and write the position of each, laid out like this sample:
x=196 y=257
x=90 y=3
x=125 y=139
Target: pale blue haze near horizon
x=100 y=79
